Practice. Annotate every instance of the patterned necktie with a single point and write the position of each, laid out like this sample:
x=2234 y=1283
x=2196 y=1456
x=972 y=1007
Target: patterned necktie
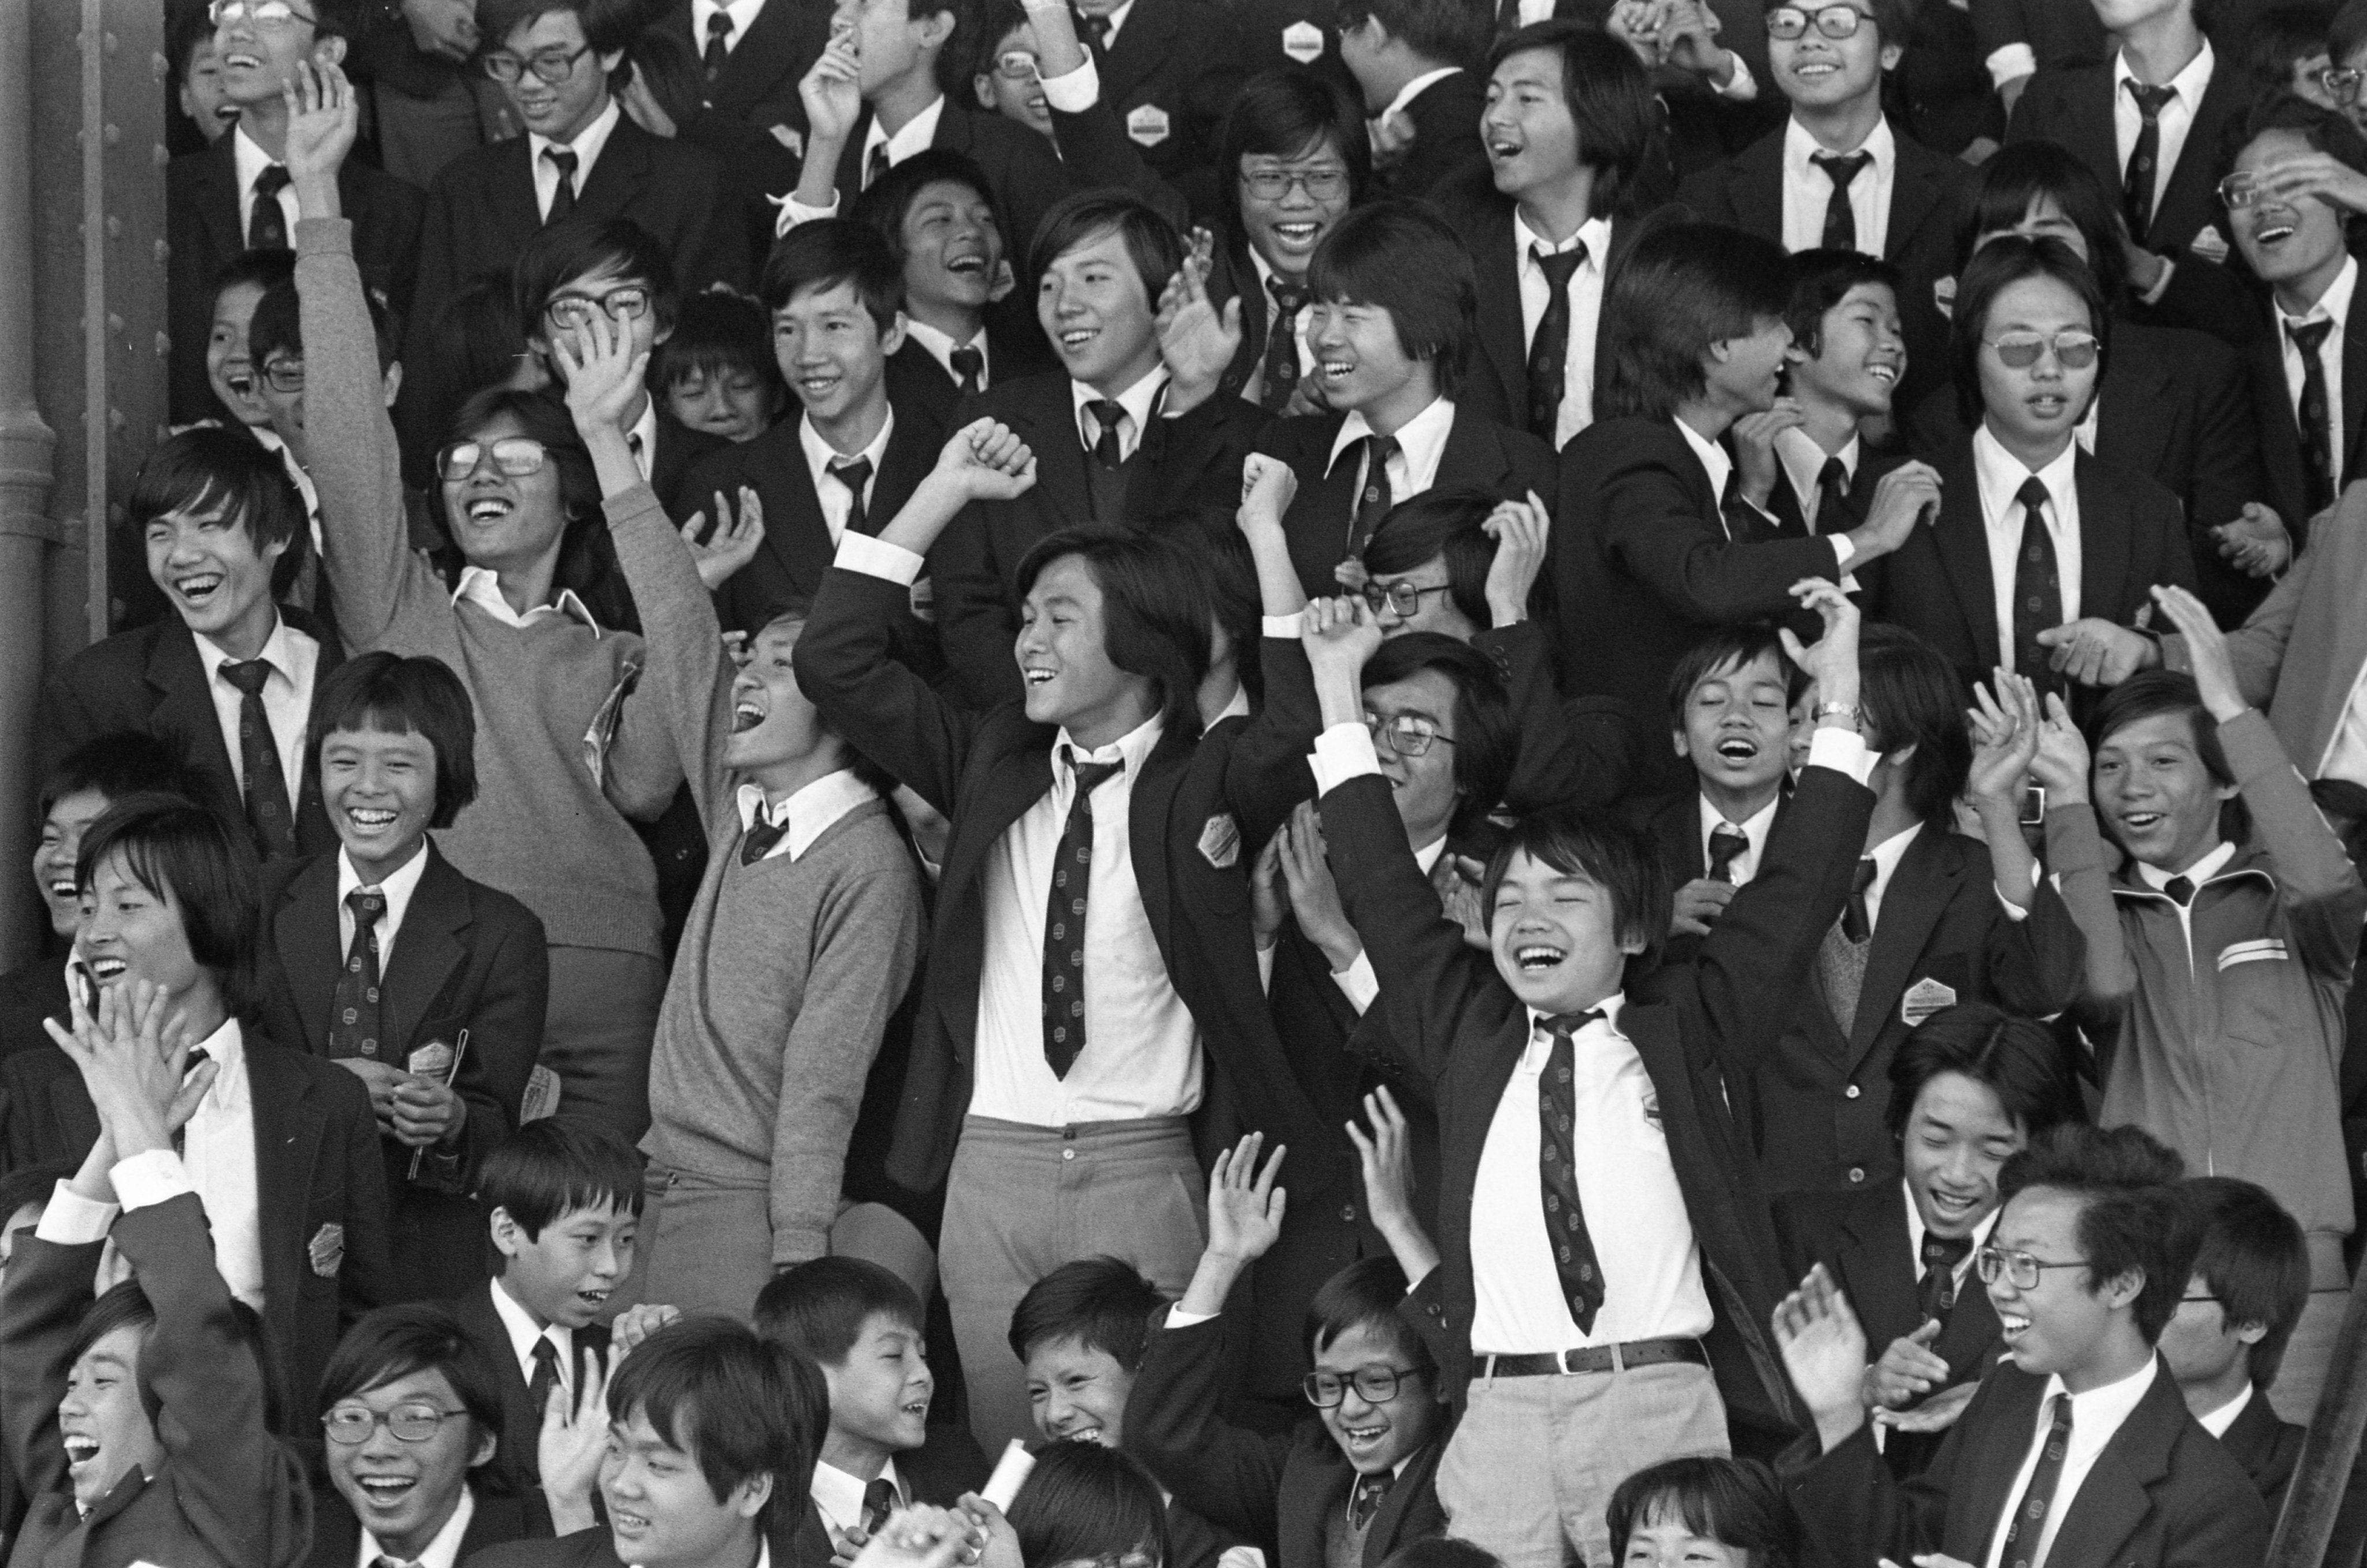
x=2027 y=1523
x=855 y=476
x=1840 y=217
x=1095 y=30
x=970 y=368
x=268 y=817
x=1372 y=502
x=879 y=1502
x=1855 y=925
x=1726 y=845
x=1549 y=349
x=1281 y=376
x=1936 y=1293
x=1574 y=1260
x=353 y=1017
x=761 y=834
x=1104 y=446
x=876 y=163
x=2316 y=412
x=1366 y=1500
x=1064 y=919
x=718 y=36
x=2037 y=587
x=2137 y=180
x=267 y=226
x=563 y=197
x=1833 y=496
x=546 y=1374
x=2180 y=890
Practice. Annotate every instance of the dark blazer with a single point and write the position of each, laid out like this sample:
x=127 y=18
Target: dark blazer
x=151 y=679
x=228 y=1494
x=2279 y=427
x=469 y=960
x=317 y=1174
x=27 y=997
x=1181 y=464
x=202 y=228
x=594 y=1547
x=1023 y=173
x=1642 y=564
x=918 y=384
x=1279 y=1490
x=2056 y=35
x=2162 y=1493
x=1480 y=454
x=937 y=1472
x=1180 y=61
x=1747 y=191
x=1451 y=1021
x=758 y=85
x=1938 y=585
x=2073 y=106
x=1201 y=811
x=2267 y=1447
x=516 y=1459
x=337 y=1534
x=1577 y=750
x=1447 y=147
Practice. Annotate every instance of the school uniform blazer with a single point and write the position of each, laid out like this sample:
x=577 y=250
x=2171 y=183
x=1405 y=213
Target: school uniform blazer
x=918 y=386
x=1450 y=1020
x=1023 y=173
x=514 y=1464
x=1575 y=751
x=2162 y=1495
x=2056 y=35
x=318 y=1180
x=937 y=1472
x=2073 y=105
x=151 y=680
x=1201 y=811
x=758 y=85
x=1480 y=454
x=2279 y=429
x=1938 y=584
x=2267 y=1447
x=29 y=995
x=337 y=1534
x=1862 y=1239
x=596 y=1548
x=228 y=1494
x=1279 y=1490
x=1168 y=80
x=1447 y=147
x=201 y=226
x=467 y=959
x=1182 y=466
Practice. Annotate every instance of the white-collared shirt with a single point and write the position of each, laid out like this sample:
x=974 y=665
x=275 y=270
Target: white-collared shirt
x=809 y=811
x=1304 y=326
x=1808 y=189
x=2176 y=118
x=1412 y=468
x=1577 y=410
x=1804 y=460
x=587 y=146
x=444 y=1551
x=249 y=159
x=641 y=439
x=397 y=887
x=287 y=698
x=839 y=1495
x=481 y=587
x=1416 y=87
x=1999 y=476
x=523 y=1334
x=918 y=134
x=1116 y=19
x=1358 y=982
x=2217 y=1422
x=267 y=436
x=1141 y=402
x=941 y=345
x=1886 y=856
x=742 y=14
x=2333 y=306
x=1756 y=826
x=1915 y=1233
x=836 y=500
x=1715 y=461
x=2095 y=1418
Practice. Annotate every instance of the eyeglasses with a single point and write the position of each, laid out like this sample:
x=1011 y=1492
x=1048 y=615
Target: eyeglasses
x=350 y=1425
x=2240 y=190
x=2341 y=82
x=1789 y=22
x=1406 y=735
x=1374 y=1385
x=2020 y=351
x=1403 y=597
x=552 y=65
x=1320 y=184
x=1016 y=65
x=285 y=375
x=572 y=311
x=2023 y=1268
x=514 y=455
x=272 y=14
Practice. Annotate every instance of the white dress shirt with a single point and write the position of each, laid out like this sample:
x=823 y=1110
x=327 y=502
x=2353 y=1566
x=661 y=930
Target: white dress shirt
x=1756 y=826
x=917 y=135
x=1916 y=1228
x=2219 y=1421
x=837 y=501
x=481 y=587
x=2333 y=306
x=809 y=811
x=1808 y=190
x=287 y=698
x=218 y=1153
x=2176 y=118
x=1141 y=403
x=587 y=146
x=444 y=1551
x=2096 y=1416
x=1585 y=312
x=1357 y=982
x=1803 y=460
x=941 y=345
x=522 y=1335
x=1413 y=467
x=641 y=437
x=397 y=887
x=741 y=13
x=1305 y=325
x=156 y=1177
x=1116 y=20
x=1886 y=856
x=2000 y=474
x=839 y=1495
x=250 y=160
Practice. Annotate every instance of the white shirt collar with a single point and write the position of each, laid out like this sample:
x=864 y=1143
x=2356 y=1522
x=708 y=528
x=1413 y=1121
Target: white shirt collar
x=643 y=437
x=918 y=132
x=1134 y=749
x=248 y=158
x=227 y=1046
x=482 y=586
x=2190 y=83
x=1801 y=147
x=444 y=1551
x=1412 y=89
x=744 y=14
x=2001 y=475
x=1914 y=1229
x=523 y=1333
x=274 y=652
x=940 y=345
x=1594 y=234
x=2219 y=1421
x=2334 y=305
x=2201 y=871
x=809 y=811
x=2097 y=1414
x=1803 y=460
x=1609 y=1007
x=1714 y=459
x=1427 y=856
x=1139 y=401
x=1420 y=439
x=1886 y=856
x=840 y=1494
x=586 y=144
x=821 y=454
x=397 y=887
x=1756 y=826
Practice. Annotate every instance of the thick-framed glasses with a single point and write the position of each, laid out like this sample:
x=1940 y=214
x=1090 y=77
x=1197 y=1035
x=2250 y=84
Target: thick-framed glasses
x=1406 y=735
x=2023 y=1268
x=2020 y=351
x=572 y=311
x=1016 y=65
x=1320 y=184
x=1374 y=1385
x=1790 y=22
x=1403 y=597
x=350 y=1425
x=514 y=455
x=2340 y=82
x=285 y=375
x=553 y=65
x=273 y=13
x=2240 y=190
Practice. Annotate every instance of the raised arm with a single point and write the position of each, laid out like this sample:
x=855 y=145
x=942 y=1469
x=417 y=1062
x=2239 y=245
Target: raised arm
x=1266 y=775
x=1094 y=147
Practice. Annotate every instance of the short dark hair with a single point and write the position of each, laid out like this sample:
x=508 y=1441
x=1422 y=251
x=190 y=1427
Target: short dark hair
x=1442 y=1551
x=2347 y=31
x=2281 y=37
x=1724 y=650
x=1401 y=256
x=818 y=1309
x=2131 y=1215
x=1151 y=241
x=2253 y=1256
x=418 y=1337
x=708 y=1386
x=608 y=25
x=474 y=341
x=2017 y=1059
x=186 y=24
x=1220 y=552
x=889 y=201
x=577 y=248
x=1913 y=697
x=1449 y=521
x=1365 y=1295
x=586 y=558
x=1446 y=32
x=2152 y=693
x=126 y=1306
x=1994 y=268
x=1083 y=1502
x=118 y=763
x=1487 y=735
x=662 y=62
x=822 y=255
x=1736 y=1502
x=548 y=1169
x=1610 y=100
x=181 y=851
x=1575 y=841
x=395 y=695
x=1101 y=1303
x=717 y=332
x=1683 y=287
x=1822 y=278
x=277 y=327
x=1283 y=114
x=212 y=466
x=2000 y=195
x=1155 y=615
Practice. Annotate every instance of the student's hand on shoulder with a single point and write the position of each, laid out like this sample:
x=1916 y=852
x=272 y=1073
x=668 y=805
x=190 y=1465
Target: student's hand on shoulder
x=2255 y=542
x=1698 y=903
x=447 y=28
x=323 y=116
x=1754 y=448
x=1522 y=530
x=737 y=537
x=1245 y=1208
x=637 y=1323
x=602 y=375
x=1268 y=487
x=1907 y=495
x=2206 y=651
x=985 y=461
x=831 y=93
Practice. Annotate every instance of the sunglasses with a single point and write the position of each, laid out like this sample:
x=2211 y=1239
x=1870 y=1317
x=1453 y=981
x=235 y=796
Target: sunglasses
x=2020 y=351
x=514 y=455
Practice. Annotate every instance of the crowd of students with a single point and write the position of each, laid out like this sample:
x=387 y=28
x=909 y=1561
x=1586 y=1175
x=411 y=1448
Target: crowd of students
x=1602 y=807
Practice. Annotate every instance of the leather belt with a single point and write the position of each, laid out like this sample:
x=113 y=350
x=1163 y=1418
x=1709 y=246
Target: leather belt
x=1594 y=1358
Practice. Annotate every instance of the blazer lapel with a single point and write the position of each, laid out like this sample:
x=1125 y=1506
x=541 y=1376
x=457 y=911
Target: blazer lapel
x=1962 y=539
x=184 y=706
x=218 y=196
x=1472 y=456
x=1756 y=188
x=2354 y=385
x=1911 y=906
x=2129 y=422
x=1499 y=307
x=2114 y=1498
x=620 y=175
x=2104 y=584
x=757 y=60
x=517 y=210
x=1143 y=45
x=287 y=1142
x=1152 y=801
x=1060 y=452
x=2186 y=199
x=1985 y=1479
x=800 y=540
x=431 y=945
x=1915 y=194
x=305 y=928
x=1877 y=1228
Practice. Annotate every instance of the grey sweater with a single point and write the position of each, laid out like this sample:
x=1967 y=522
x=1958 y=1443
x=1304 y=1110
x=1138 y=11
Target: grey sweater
x=788 y=969
x=544 y=828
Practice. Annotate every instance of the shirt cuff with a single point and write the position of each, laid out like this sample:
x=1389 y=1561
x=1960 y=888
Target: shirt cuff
x=1343 y=752
x=1358 y=983
x=2010 y=63
x=1265 y=969
x=2160 y=283
x=1740 y=87
x=1178 y=1318
x=2013 y=911
x=1844 y=550
x=1076 y=92
x=146 y=1180
x=72 y=1219
x=875 y=557
x=1284 y=627
x=1844 y=750
x=794 y=213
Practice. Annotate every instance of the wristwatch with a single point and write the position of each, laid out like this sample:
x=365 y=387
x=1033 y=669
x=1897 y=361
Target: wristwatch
x=1850 y=711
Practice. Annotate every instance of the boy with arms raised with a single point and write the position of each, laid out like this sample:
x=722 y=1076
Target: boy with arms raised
x=1729 y=717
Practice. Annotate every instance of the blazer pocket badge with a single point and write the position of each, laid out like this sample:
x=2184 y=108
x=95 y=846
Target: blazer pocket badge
x=1303 y=42
x=1923 y=999
x=328 y=1250
x=1220 y=841
x=1147 y=125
